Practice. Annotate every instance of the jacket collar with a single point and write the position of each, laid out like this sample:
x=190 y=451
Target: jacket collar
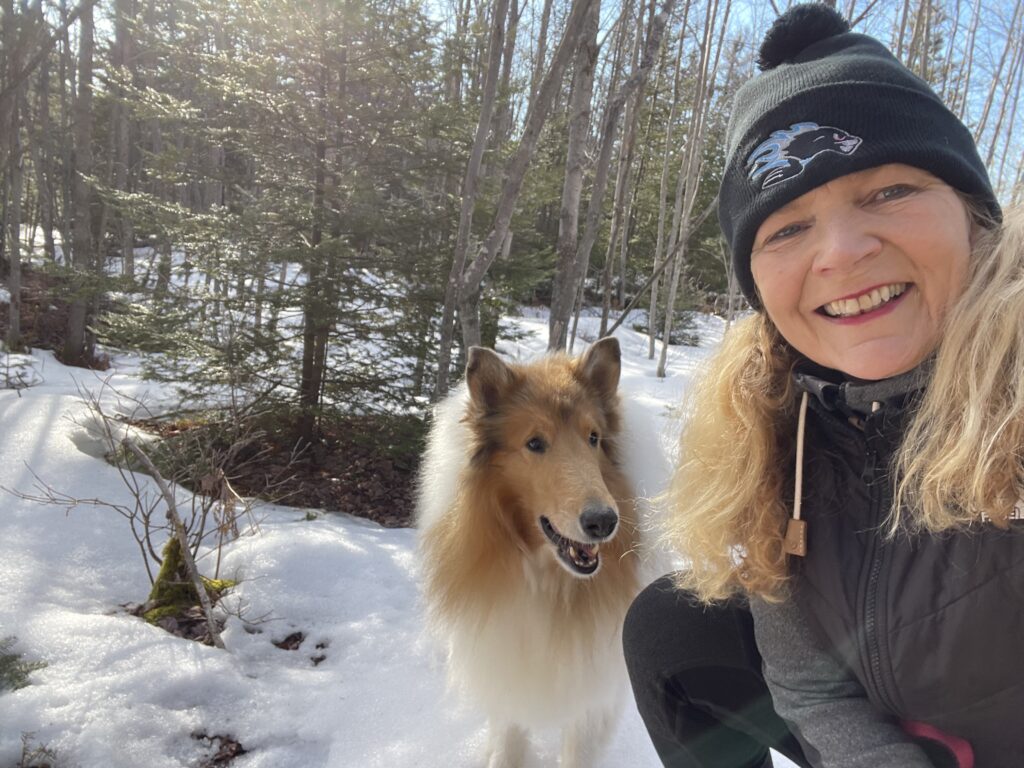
x=854 y=397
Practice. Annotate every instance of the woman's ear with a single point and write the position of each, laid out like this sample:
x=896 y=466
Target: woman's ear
x=488 y=378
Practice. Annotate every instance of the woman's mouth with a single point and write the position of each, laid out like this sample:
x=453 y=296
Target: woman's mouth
x=865 y=303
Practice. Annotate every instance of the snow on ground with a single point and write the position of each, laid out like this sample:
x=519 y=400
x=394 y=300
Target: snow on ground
x=117 y=692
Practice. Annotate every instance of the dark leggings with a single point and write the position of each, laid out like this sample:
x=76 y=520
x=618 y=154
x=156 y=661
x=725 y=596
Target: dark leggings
x=696 y=674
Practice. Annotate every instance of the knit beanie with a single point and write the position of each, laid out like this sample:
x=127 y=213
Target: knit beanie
x=827 y=103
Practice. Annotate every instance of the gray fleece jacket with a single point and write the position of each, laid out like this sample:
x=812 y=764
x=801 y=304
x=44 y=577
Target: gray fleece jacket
x=825 y=707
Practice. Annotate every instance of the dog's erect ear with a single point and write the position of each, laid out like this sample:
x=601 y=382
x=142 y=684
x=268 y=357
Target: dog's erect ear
x=488 y=377
x=601 y=366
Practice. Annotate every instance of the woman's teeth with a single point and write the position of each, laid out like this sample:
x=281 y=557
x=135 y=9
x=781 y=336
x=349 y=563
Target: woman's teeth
x=865 y=302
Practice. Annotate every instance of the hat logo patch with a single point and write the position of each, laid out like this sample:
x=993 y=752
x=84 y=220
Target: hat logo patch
x=786 y=153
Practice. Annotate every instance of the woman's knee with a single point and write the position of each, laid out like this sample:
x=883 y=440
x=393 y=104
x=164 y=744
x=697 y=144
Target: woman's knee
x=667 y=629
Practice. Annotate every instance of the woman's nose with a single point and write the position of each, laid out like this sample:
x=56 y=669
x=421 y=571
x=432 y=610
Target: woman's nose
x=844 y=242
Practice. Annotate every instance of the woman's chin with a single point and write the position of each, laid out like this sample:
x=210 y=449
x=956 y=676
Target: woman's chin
x=878 y=360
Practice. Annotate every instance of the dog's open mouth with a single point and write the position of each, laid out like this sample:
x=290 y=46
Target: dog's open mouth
x=579 y=558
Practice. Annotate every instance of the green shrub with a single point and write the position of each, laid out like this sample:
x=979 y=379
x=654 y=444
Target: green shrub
x=14 y=671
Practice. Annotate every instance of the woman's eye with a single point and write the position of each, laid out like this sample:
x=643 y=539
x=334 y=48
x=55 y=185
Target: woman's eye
x=536 y=445
x=787 y=231
x=594 y=439
x=895 y=192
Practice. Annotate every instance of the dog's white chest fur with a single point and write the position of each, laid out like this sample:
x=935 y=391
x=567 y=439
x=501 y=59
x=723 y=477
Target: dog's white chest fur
x=523 y=668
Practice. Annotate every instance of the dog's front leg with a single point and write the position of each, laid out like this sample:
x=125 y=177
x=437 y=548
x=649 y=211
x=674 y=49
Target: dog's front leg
x=576 y=750
x=507 y=746
x=584 y=740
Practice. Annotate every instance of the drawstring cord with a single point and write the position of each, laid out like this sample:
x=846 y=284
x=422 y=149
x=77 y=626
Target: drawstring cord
x=795 y=542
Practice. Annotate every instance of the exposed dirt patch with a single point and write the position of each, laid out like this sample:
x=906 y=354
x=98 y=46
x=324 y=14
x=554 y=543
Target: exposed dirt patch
x=224 y=749
x=365 y=467
x=290 y=643
x=189 y=624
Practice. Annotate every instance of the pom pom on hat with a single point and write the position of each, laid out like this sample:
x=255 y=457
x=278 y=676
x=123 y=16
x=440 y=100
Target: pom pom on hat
x=801 y=26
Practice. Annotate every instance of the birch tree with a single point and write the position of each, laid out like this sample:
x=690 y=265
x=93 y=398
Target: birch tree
x=623 y=174
x=563 y=292
x=613 y=111
x=652 y=313
x=515 y=171
x=692 y=159
x=470 y=184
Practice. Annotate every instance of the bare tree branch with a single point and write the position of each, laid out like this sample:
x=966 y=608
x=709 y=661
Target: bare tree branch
x=25 y=72
x=179 y=532
x=863 y=14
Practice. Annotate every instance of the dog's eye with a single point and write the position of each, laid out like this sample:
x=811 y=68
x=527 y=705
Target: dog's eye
x=594 y=439
x=536 y=445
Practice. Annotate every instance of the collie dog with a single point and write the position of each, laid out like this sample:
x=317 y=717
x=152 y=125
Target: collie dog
x=528 y=535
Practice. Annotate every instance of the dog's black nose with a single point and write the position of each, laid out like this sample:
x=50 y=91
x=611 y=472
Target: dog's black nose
x=598 y=521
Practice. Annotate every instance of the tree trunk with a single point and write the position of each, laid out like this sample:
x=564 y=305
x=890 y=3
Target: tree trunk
x=1007 y=147
x=320 y=304
x=456 y=59
x=611 y=118
x=15 y=162
x=67 y=78
x=623 y=178
x=515 y=171
x=961 y=96
x=8 y=108
x=12 y=164
x=542 y=51
x=652 y=313
x=947 y=64
x=1017 y=59
x=732 y=286
x=902 y=34
x=563 y=293
x=1017 y=197
x=42 y=155
x=998 y=77
x=315 y=314
x=124 y=18
x=503 y=117
x=469 y=194
x=690 y=171
x=77 y=346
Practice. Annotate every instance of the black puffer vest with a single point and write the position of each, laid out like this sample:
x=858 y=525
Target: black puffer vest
x=932 y=626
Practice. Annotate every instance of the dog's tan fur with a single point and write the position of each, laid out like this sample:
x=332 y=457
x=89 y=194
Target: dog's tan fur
x=533 y=643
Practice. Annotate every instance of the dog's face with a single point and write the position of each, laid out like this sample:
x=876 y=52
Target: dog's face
x=546 y=434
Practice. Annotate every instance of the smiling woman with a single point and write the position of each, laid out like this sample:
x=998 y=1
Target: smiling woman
x=848 y=486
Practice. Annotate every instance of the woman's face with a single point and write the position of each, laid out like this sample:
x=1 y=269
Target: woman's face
x=857 y=274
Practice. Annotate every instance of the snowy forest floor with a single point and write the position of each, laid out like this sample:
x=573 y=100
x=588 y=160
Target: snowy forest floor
x=327 y=661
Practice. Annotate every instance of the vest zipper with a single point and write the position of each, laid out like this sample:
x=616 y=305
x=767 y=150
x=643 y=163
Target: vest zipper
x=877 y=472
